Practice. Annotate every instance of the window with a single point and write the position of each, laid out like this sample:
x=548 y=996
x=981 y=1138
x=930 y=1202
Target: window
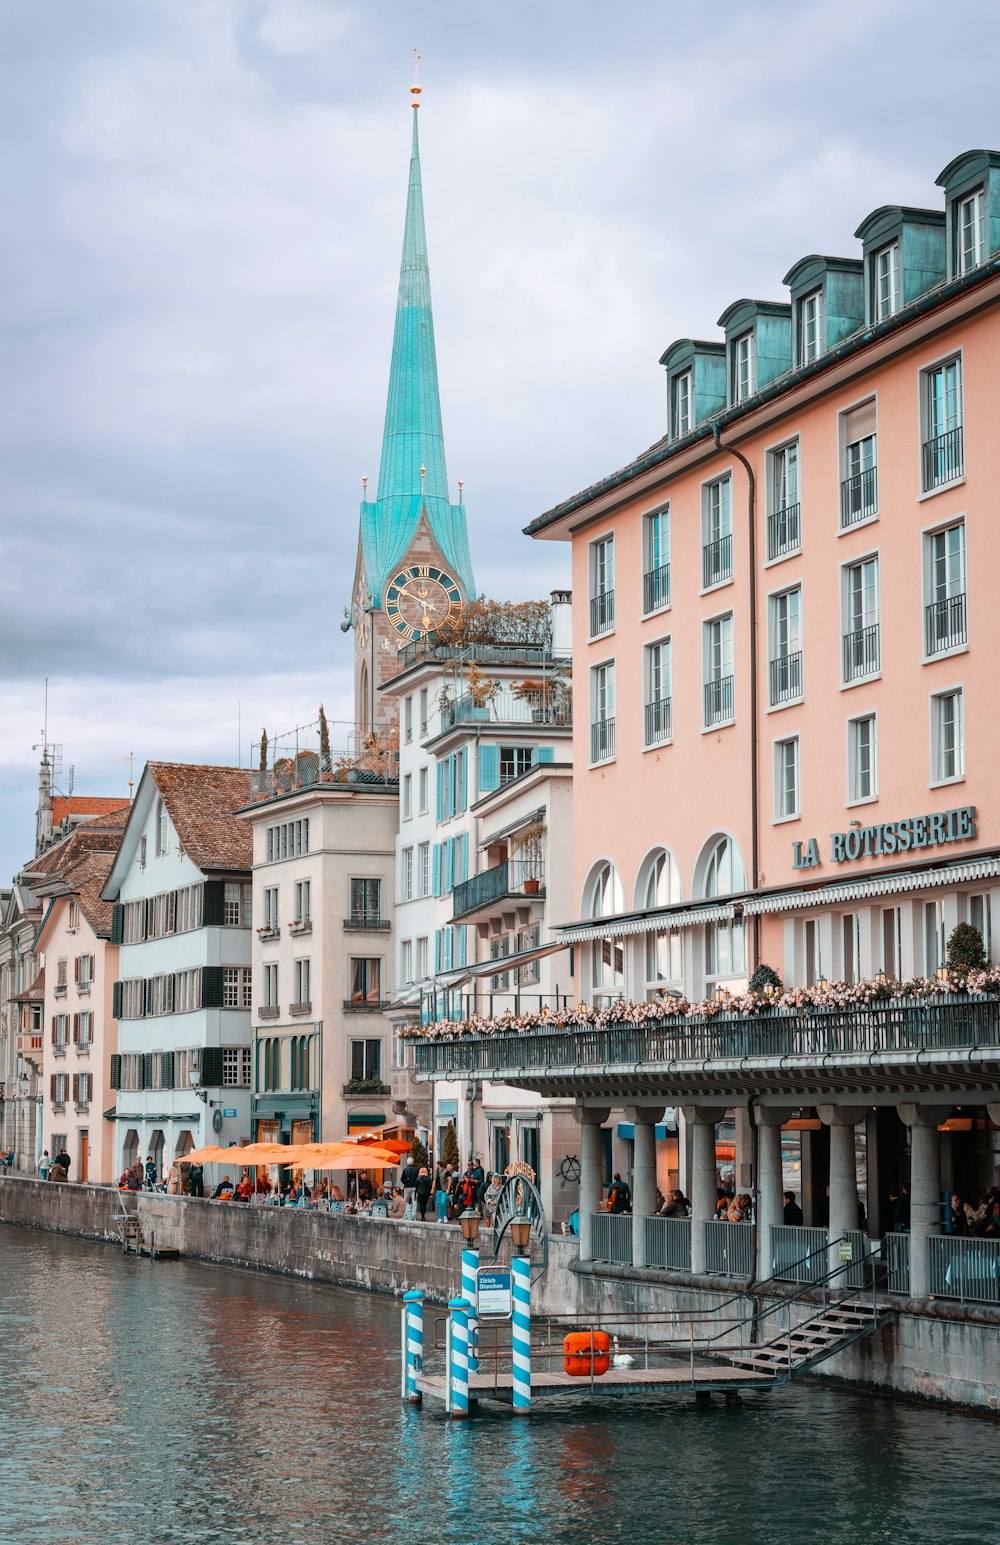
x=301 y=977
x=406 y=961
x=366 y=1060
x=656 y=560
x=190 y=909
x=812 y=965
x=784 y=526
x=607 y=955
x=424 y=869
x=785 y=655
x=718 y=664
x=303 y=903
x=602 y=586
x=271 y=999
x=514 y=762
x=850 y=942
x=862 y=641
x=422 y=958
x=289 y=840
x=717 y=532
x=862 y=759
x=602 y=712
x=83 y=1029
x=499 y=950
x=656 y=671
x=979 y=917
x=366 y=901
x=947 y=737
x=724 y=941
x=187 y=991
x=885 y=283
x=661 y=887
x=236 y=904
x=407 y=720
x=407 y=794
x=406 y=879
x=891 y=942
x=681 y=406
x=162 y=829
x=236 y=991
x=58 y=1085
x=235 y=1066
x=934 y=944
x=142 y=852
x=422 y=791
x=423 y=710
x=786 y=778
x=969 y=217
x=83 y=971
x=859 y=476
x=366 y=975
x=271 y=908
x=61 y=971
x=73 y=916
x=943 y=446
x=741 y=368
x=810 y=326
x=59 y=1032
x=945 y=617
x=83 y=1089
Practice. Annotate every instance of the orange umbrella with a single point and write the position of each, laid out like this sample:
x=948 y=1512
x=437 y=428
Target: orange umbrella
x=369 y=1139
x=344 y=1156
x=209 y=1155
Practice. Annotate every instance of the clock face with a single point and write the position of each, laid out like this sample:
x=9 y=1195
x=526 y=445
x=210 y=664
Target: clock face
x=419 y=599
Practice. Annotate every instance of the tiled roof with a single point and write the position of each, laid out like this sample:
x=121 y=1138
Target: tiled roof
x=35 y=993
x=101 y=835
x=88 y=878
x=82 y=804
x=201 y=802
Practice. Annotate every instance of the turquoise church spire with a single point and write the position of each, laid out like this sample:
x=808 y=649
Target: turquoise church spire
x=413 y=479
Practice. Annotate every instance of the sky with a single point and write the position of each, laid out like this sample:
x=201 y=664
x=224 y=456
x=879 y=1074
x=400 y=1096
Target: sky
x=198 y=262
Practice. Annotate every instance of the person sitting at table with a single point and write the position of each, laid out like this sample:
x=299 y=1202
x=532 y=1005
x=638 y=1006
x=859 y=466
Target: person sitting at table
x=223 y=1191
x=336 y=1194
x=321 y=1192
x=397 y=1207
x=244 y=1190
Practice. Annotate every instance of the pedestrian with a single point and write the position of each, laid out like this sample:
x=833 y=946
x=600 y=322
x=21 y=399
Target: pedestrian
x=467 y=1193
x=619 y=1195
x=441 y=1179
x=62 y=1159
x=150 y=1175
x=45 y=1165
x=792 y=1211
x=491 y=1197
x=422 y=1190
x=408 y=1181
x=196 y=1178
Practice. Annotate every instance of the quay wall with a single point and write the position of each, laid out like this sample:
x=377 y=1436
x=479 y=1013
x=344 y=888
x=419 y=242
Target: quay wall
x=935 y=1350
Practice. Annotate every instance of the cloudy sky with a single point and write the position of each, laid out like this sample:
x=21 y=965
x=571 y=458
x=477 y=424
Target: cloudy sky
x=203 y=205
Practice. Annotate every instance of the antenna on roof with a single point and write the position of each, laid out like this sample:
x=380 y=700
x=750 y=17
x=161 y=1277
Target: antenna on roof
x=130 y=759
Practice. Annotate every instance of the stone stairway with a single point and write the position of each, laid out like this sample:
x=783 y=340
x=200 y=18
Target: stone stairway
x=829 y=1331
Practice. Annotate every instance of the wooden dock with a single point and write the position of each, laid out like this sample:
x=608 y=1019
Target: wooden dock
x=705 y=1378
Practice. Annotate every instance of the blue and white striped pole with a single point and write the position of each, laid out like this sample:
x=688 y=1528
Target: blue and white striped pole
x=458 y=1369
x=413 y=1331
x=521 y=1333
x=470 y=1267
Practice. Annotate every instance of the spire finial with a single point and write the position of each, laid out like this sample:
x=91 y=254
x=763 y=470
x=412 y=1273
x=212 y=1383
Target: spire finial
x=416 y=88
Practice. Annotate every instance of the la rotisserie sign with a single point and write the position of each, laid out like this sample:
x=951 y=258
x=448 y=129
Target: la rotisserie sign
x=889 y=838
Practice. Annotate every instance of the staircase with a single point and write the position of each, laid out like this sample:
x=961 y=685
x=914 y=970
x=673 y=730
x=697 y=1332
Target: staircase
x=799 y=1349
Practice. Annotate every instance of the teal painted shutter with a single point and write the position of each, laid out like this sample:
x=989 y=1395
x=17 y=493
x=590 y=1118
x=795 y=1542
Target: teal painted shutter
x=545 y=754
x=489 y=768
x=461 y=946
x=449 y=873
x=448 y=941
x=449 y=787
x=465 y=856
x=118 y=923
x=436 y=866
x=463 y=786
x=437 y=950
x=440 y=794
x=116 y=1008
x=211 y=986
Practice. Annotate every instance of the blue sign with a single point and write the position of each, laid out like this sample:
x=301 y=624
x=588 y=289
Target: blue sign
x=493 y=1293
x=229 y=1113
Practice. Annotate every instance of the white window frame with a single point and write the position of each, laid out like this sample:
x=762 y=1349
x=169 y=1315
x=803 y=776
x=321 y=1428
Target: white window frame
x=930 y=535
x=604 y=671
x=780 y=767
x=651 y=521
x=845 y=465
x=406 y=890
x=924 y=404
x=805 y=352
x=423 y=791
x=653 y=655
x=678 y=398
x=775 y=456
x=717 y=518
x=853 y=796
x=601 y=581
x=846 y=569
x=302 y=978
x=878 y=311
x=707 y=633
x=271 y=995
x=407 y=795
x=938 y=778
x=774 y=599
x=976 y=197
x=741 y=368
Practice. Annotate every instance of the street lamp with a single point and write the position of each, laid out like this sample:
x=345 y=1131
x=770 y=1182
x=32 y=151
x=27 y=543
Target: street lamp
x=469 y=1222
x=23 y=1083
x=520 y=1233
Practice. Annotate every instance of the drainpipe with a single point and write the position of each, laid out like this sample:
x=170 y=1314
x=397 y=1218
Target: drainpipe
x=754 y=737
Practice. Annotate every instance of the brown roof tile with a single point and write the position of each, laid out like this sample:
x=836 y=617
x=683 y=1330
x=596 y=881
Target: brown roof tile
x=102 y=835
x=82 y=804
x=201 y=802
x=88 y=878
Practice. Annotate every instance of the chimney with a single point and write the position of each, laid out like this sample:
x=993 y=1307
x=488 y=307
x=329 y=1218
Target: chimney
x=562 y=624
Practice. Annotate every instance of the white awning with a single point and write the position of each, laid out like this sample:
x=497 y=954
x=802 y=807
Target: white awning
x=857 y=888
x=510 y=962
x=647 y=922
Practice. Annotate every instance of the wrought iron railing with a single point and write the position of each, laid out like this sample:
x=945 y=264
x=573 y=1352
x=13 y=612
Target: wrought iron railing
x=668 y=1243
x=797 y=1254
x=728 y=1249
x=784 y=531
x=966 y=1269
x=611 y=1237
x=656 y=588
x=511 y=878
x=862 y=652
x=945 y=623
x=944 y=458
x=859 y=497
x=602 y=740
x=719 y=700
x=717 y=561
x=541 y=705
x=537 y=655
x=602 y=612
x=658 y=721
x=896 y=1254
x=785 y=678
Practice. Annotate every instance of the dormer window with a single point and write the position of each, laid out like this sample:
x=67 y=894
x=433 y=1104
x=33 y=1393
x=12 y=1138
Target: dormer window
x=810 y=326
x=741 y=368
x=970 y=230
x=680 y=405
x=885 y=282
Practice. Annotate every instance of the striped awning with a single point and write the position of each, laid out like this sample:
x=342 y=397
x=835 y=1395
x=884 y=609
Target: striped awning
x=647 y=922
x=896 y=883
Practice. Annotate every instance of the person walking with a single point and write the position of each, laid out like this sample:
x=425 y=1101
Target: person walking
x=62 y=1159
x=150 y=1173
x=196 y=1176
x=422 y=1190
x=619 y=1195
x=45 y=1165
x=408 y=1181
x=441 y=1179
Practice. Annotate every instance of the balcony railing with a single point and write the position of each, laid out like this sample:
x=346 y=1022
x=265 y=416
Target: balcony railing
x=365 y=1003
x=799 y=1254
x=543 y=704
x=360 y=922
x=658 y=717
x=862 y=652
x=785 y=678
x=966 y=1269
x=514 y=877
x=668 y=1243
x=602 y=612
x=611 y=1237
x=602 y=740
x=944 y=458
x=784 y=531
x=719 y=700
x=716 y=561
x=859 y=497
x=896 y=1250
x=656 y=588
x=945 y=624
x=535 y=655
x=728 y=1248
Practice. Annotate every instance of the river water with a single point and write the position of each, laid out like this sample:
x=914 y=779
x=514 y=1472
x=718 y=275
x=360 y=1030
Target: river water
x=174 y=1402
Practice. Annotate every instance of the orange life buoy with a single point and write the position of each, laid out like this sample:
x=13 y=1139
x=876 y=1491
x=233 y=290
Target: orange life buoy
x=578 y=1347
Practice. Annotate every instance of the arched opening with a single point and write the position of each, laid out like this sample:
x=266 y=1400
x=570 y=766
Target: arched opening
x=721 y=872
x=155 y=1151
x=605 y=898
x=659 y=885
x=130 y=1148
x=364 y=700
x=184 y=1144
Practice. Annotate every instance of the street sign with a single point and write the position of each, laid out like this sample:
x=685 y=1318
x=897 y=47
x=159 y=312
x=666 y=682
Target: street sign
x=846 y=1250
x=493 y=1293
x=229 y=1113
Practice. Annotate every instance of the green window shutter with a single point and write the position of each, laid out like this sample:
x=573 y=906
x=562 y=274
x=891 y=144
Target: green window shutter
x=463 y=781
x=545 y=754
x=215 y=896
x=116 y=1005
x=449 y=867
x=116 y=1067
x=437 y=950
x=211 y=986
x=118 y=923
x=462 y=946
x=489 y=768
x=465 y=856
x=211 y=1066
x=440 y=792
x=436 y=866
x=166 y=1070
x=147 y=1070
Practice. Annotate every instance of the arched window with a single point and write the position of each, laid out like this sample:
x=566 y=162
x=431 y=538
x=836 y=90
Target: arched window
x=364 y=700
x=605 y=898
x=723 y=869
x=723 y=873
x=305 y=1056
x=660 y=886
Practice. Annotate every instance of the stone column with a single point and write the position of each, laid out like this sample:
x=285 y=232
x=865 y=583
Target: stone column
x=841 y=1119
x=643 y=1176
x=769 y=1210
x=591 y=1119
x=925 y=1188
x=702 y=1120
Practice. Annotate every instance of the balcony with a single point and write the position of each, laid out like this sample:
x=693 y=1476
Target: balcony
x=515 y=878
x=716 y=561
x=945 y=625
x=658 y=721
x=656 y=588
x=862 y=653
x=858 y=497
x=537 y=656
x=719 y=701
x=300 y=926
x=299 y=1010
x=536 y=702
x=602 y=613
x=602 y=740
x=784 y=531
x=366 y=1003
x=785 y=678
x=943 y=459
x=367 y=922
x=268 y=932
x=60 y=990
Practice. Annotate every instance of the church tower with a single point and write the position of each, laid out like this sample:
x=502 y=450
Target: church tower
x=413 y=567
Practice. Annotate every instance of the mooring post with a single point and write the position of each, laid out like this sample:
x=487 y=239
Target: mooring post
x=470 y=1266
x=458 y=1363
x=521 y=1333
x=413 y=1344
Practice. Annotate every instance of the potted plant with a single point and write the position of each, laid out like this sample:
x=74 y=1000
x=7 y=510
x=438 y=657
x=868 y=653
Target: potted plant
x=531 y=851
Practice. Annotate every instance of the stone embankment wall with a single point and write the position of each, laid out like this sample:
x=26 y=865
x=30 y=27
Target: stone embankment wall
x=937 y=1350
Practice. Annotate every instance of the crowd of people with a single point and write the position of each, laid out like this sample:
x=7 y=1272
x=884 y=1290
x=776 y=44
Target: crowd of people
x=982 y=1221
